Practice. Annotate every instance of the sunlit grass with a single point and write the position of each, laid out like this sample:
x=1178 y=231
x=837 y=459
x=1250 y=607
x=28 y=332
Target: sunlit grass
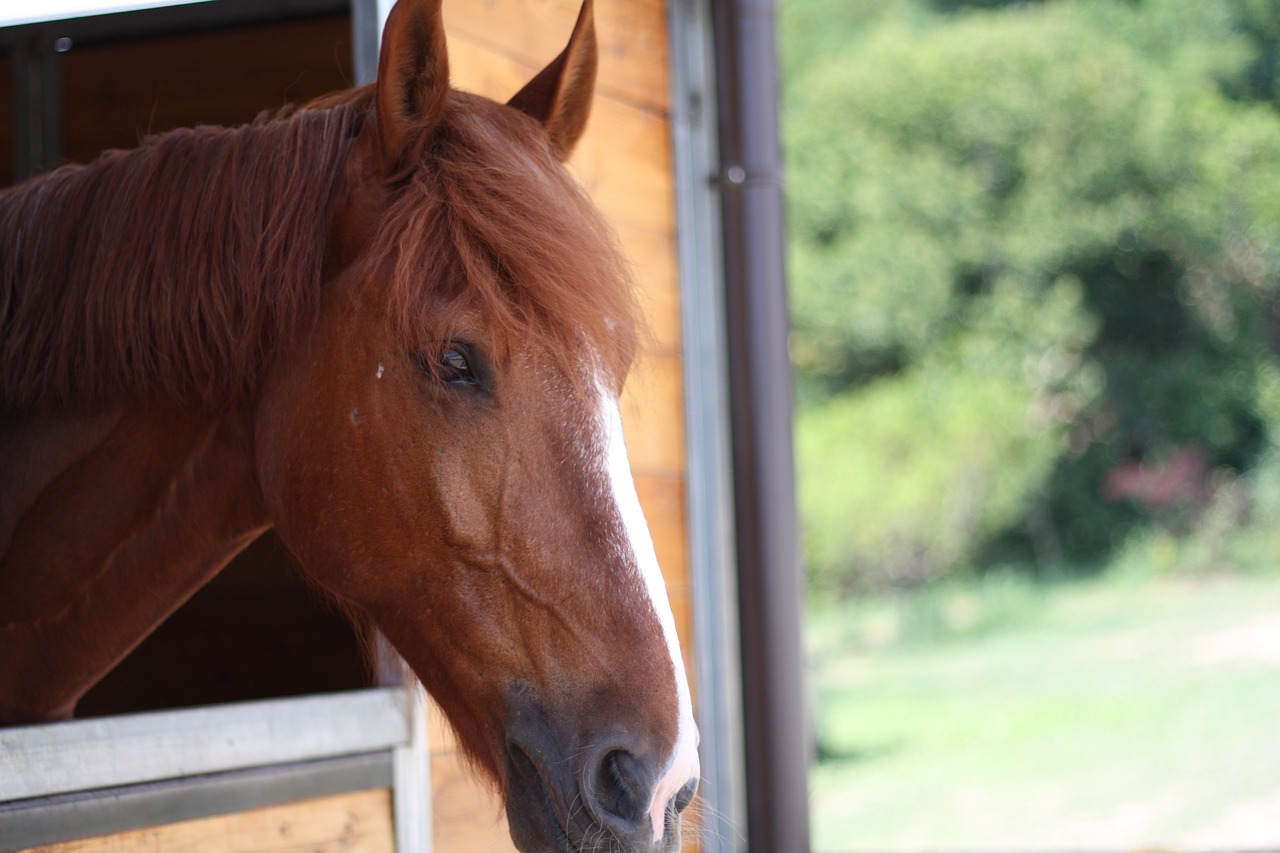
x=1096 y=714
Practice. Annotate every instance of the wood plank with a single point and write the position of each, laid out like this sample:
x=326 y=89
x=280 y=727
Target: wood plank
x=682 y=608
x=652 y=416
x=440 y=736
x=663 y=500
x=632 y=38
x=656 y=269
x=467 y=817
x=346 y=823
x=662 y=314
x=624 y=160
x=691 y=829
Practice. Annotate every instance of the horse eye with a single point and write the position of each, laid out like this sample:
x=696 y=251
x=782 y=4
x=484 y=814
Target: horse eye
x=451 y=364
x=457 y=366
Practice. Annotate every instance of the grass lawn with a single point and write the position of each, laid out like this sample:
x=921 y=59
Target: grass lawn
x=1099 y=714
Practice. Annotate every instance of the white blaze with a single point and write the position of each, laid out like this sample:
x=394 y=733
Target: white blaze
x=683 y=764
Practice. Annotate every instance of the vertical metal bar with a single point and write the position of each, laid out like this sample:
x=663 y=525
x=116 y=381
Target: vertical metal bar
x=411 y=788
x=37 y=108
x=776 y=721
x=708 y=464
x=366 y=28
x=367 y=20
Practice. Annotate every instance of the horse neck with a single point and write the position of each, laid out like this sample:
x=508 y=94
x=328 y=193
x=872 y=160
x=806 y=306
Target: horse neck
x=108 y=523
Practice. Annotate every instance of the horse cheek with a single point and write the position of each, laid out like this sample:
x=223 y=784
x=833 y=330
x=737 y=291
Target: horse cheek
x=302 y=448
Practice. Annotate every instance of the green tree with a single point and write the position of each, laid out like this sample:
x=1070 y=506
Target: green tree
x=1040 y=184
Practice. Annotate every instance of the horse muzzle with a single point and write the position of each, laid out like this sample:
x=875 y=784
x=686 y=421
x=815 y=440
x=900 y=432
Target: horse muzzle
x=569 y=794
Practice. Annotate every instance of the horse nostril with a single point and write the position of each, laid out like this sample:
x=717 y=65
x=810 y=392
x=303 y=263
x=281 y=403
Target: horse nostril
x=684 y=796
x=621 y=787
x=678 y=803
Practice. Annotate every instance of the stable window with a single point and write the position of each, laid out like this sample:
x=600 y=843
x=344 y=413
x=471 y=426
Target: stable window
x=257 y=693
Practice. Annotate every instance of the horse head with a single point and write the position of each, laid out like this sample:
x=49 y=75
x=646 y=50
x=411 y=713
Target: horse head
x=474 y=500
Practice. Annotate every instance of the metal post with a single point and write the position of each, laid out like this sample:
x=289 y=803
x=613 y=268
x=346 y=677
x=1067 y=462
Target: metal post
x=367 y=18
x=695 y=155
x=411 y=786
x=37 y=107
x=366 y=30
x=776 y=721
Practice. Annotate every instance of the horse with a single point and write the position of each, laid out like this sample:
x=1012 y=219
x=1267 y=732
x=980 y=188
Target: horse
x=389 y=325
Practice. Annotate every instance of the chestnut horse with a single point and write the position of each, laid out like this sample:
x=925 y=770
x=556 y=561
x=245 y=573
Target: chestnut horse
x=390 y=326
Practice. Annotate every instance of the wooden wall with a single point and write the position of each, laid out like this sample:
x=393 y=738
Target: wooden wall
x=118 y=92
x=625 y=162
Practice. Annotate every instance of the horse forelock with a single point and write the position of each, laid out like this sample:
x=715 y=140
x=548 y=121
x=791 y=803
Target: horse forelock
x=168 y=271
x=490 y=225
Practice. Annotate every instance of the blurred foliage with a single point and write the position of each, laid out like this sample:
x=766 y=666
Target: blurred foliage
x=906 y=477
x=1034 y=248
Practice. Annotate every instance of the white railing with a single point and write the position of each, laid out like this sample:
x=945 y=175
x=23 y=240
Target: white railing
x=81 y=778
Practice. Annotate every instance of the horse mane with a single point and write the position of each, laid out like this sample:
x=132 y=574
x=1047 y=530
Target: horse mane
x=169 y=270
x=173 y=271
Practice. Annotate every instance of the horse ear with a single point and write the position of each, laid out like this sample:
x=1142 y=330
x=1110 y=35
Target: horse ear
x=413 y=77
x=560 y=95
